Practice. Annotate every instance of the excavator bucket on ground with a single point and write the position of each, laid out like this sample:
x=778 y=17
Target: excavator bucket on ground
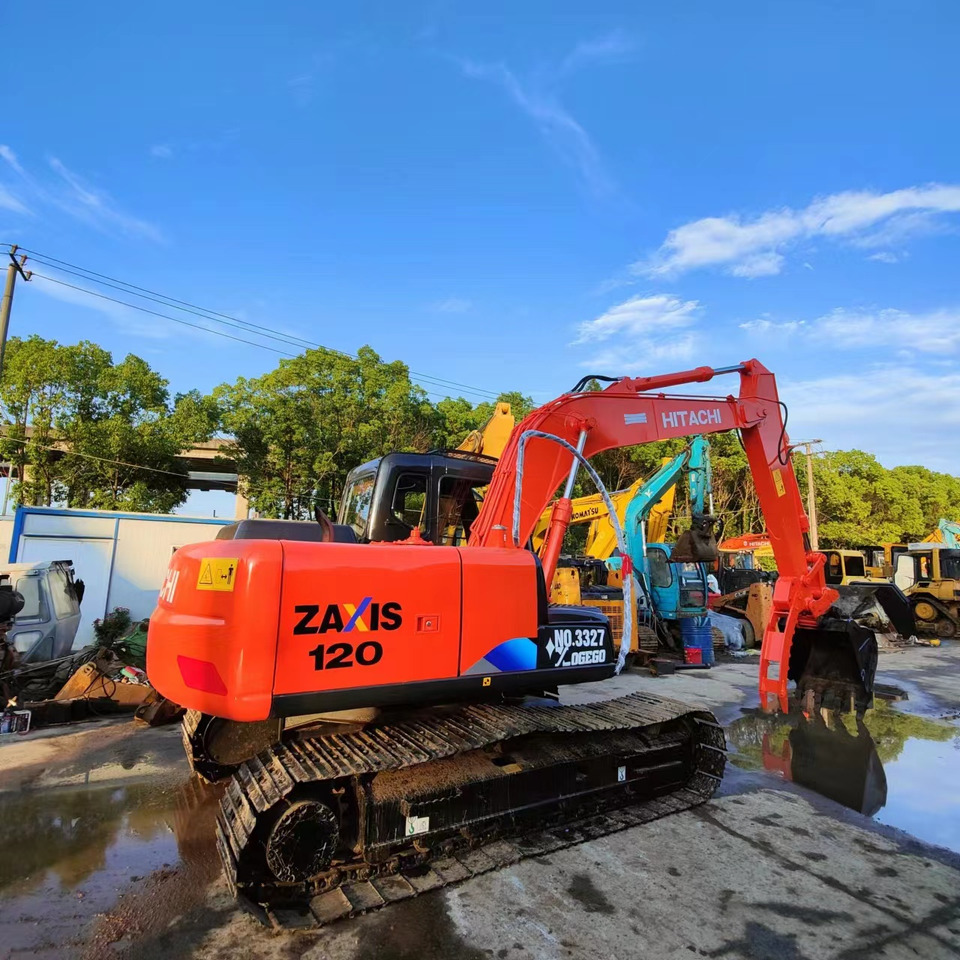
x=698 y=544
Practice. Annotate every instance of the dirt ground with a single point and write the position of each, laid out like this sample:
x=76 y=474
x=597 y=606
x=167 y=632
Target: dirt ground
x=843 y=851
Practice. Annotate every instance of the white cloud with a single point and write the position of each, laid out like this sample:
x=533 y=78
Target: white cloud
x=8 y=199
x=778 y=327
x=97 y=207
x=556 y=124
x=640 y=316
x=878 y=409
x=129 y=321
x=642 y=356
x=934 y=332
x=641 y=331
x=758 y=265
x=884 y=256
x=70 y=194
x=9 y=202
x=538 y=97
x=752 y=246
x=452 y=305
x=162 y=151
x=11 y=158
x=614 y=47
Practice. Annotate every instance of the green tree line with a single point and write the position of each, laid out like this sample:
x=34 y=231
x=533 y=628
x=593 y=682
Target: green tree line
x=84 y=430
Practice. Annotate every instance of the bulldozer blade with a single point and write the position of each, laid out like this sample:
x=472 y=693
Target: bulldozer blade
x=835 y=664
x=698 y=544
x=859 y=600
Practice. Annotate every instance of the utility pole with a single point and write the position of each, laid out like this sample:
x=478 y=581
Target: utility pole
x=15 y=268
x=811 y=498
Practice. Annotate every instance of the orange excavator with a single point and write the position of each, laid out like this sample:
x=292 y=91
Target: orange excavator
x=403 y=693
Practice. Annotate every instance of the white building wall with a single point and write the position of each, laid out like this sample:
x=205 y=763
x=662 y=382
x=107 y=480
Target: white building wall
x=121 y=558
x=140 y=562
x=6 y=535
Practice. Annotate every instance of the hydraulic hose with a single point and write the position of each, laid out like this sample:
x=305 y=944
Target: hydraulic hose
x=626 y=639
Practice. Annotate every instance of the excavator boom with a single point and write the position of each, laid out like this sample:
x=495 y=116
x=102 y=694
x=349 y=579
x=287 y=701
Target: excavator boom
x=635 y=410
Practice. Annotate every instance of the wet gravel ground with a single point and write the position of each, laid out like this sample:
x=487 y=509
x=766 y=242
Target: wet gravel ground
x=826 y=839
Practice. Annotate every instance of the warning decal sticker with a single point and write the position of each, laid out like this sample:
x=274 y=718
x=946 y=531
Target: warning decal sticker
x=778 y=483
x=217 y=573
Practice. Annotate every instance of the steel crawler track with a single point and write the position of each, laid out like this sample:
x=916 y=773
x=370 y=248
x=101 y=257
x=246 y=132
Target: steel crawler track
x=192 y=729
x=263 y=783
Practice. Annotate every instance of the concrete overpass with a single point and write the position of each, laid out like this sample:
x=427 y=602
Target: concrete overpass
x=208 y=466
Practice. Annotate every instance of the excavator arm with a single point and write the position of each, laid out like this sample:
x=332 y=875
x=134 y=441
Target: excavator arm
x=492 y=437
x=696 y=460
x=633 y=411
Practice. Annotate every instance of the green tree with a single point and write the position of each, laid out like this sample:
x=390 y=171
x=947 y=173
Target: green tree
x=90 y=433
x=455 y=417
x=298 y=430
x=35 y=392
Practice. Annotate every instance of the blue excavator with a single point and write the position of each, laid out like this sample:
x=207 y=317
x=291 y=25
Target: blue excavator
x=671 y=578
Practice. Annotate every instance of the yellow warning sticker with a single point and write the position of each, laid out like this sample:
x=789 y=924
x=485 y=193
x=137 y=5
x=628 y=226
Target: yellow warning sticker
x=778 y=483
x=217 y=573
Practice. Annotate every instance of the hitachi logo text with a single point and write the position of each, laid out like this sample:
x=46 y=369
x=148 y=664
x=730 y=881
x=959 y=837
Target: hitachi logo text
x=691 y=418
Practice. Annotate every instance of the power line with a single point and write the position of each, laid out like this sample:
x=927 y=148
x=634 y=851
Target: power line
x=216 y=316
x=197 y=326
x=154 y=313
x=290 y=341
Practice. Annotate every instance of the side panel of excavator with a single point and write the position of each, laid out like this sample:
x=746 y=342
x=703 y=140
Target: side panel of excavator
x=336 y=626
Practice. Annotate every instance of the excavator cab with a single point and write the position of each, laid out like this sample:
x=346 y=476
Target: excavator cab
x=439 y=493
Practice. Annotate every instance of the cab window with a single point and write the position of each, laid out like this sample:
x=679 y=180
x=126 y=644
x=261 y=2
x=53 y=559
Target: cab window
x=356 y=504
x=61 y=593
x=33 y=606
x=660 y=572
x=855 y=567
x=949 y=568
x=459 y=502
x=834 y=573
x=409 y=500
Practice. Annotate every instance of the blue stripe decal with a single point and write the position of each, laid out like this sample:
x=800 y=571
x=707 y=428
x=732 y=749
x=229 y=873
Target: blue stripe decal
x=520 y=653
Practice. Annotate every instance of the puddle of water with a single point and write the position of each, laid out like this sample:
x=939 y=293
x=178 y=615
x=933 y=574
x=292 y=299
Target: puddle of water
x=129 y=858
x=900 y=769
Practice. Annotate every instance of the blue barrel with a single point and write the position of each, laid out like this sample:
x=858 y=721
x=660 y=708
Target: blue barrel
x=695 y=632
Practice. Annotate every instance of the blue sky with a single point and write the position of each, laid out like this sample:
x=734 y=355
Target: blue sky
x=511 y=195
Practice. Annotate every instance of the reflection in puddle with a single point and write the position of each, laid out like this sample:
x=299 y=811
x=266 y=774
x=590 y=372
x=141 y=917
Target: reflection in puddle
x=72 y=855
x=901 y=769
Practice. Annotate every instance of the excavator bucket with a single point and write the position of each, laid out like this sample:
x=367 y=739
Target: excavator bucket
x=881 y=606
x=834 y=665
x=698 y=544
